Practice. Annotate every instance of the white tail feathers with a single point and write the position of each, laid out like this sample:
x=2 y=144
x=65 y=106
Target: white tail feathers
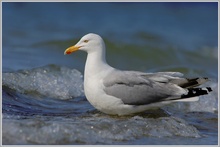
x=192 y=99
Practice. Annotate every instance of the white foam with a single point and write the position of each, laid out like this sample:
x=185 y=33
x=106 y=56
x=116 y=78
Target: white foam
x=94 y=130
x=50 y=81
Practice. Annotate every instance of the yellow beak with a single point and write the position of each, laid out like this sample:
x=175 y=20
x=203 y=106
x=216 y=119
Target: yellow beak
x=71 y=49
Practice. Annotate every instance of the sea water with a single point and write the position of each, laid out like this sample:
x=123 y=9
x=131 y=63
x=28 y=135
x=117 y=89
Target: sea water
x=43 y=100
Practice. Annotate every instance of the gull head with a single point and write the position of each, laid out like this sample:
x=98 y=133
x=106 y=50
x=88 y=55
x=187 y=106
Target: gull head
x=89 y=43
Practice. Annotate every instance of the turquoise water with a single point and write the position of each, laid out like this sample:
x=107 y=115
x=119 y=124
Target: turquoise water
x=43 y=89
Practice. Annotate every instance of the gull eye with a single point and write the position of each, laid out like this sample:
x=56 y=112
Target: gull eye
x=86 y=41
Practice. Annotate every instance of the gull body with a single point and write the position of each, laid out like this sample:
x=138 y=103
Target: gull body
x=118 y=92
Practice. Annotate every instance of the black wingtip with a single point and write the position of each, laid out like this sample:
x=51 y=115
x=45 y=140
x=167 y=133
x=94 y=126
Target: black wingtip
x=194 y=82
x=209 y=89
x=192 y=92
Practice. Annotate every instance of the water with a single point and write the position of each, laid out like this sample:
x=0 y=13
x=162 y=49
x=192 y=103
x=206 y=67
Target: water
x=43 y=100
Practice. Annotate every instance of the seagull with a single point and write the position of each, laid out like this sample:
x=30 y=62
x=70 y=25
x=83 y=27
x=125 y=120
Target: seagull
x=117 y=92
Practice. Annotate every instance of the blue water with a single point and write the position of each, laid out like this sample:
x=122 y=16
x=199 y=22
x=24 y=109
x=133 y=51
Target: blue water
x=43 y=97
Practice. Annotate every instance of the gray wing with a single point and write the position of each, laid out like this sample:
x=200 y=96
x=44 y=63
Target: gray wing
x=175 y=78
x=137 y=88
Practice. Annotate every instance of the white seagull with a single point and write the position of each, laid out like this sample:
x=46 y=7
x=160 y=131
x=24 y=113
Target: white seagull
x=118 y=92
